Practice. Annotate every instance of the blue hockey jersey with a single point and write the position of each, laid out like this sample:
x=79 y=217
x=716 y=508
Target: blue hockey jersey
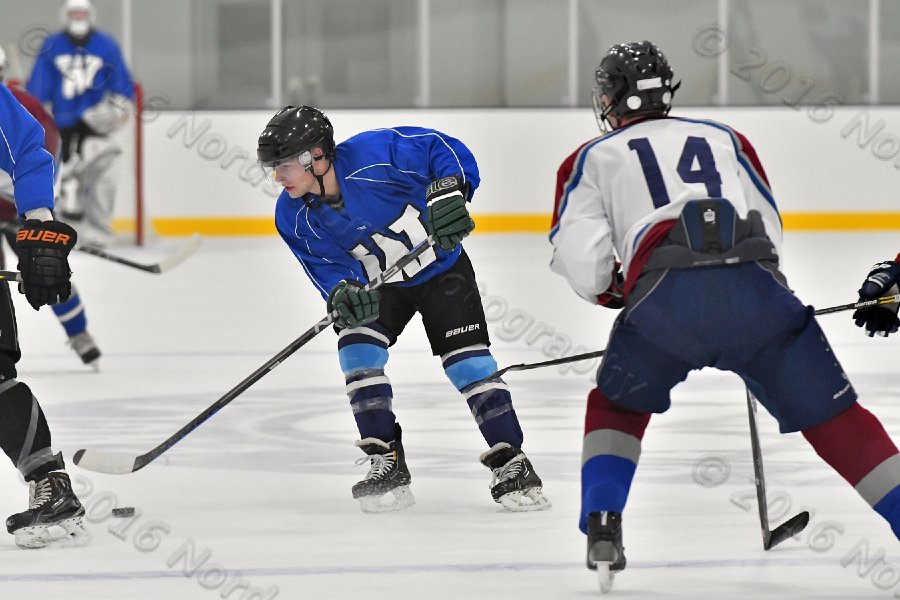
x=382 y=175
x=73 y=78
x=23 y=156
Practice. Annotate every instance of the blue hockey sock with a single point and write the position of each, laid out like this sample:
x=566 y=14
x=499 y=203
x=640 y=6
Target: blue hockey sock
x=71 y=314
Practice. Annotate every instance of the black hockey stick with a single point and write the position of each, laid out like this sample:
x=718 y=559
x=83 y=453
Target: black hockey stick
x=547 y=363
x=161 y=266
x=792 y=526
x=861 y=304
x=11 y=276
x=120 y=463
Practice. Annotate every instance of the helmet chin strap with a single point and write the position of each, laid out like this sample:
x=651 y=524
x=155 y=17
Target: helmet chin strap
x=320 y=178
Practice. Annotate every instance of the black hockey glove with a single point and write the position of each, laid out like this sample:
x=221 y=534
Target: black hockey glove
x=43 y=248
x=614 y=296
x=448 y=219
x=354 y=304
x=882 y=280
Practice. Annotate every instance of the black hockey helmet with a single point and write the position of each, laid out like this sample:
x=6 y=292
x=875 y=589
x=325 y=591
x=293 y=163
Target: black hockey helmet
x=637 y=79
x=291 y=132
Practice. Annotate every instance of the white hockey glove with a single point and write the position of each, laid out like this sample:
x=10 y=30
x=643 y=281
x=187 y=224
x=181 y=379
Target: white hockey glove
x=109 y=114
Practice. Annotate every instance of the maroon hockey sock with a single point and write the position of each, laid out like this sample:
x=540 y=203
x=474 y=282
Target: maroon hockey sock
x=854 y=429
x=856 y=445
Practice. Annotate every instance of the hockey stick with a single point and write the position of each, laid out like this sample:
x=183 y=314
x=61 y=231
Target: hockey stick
x=861 y=304
x=166 y=264
x=547 y=363
x=576 y=357
x=792 y=526
x=11 y=276
x=120 y=463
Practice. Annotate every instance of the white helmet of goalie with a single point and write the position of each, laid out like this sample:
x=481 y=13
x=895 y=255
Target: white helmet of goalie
x=77 y=16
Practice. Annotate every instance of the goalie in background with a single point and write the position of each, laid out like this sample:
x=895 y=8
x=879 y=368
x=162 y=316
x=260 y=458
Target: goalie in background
x=348 y=212
x=81 y=76
x=71 y=313
x=686 y=206
x=54 y=515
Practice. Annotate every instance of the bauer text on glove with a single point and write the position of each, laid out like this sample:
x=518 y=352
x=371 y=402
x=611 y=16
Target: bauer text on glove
x=43 y=248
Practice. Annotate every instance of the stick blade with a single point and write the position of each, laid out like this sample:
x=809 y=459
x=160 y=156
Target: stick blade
x=788 y=529
x=179 y=257
x=114 y=463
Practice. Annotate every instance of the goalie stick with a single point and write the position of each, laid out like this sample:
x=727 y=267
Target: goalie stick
x=166 y=264
x=119 y=463
x=792 y=526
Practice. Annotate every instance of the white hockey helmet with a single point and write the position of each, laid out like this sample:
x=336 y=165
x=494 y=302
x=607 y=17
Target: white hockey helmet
x=85 y=13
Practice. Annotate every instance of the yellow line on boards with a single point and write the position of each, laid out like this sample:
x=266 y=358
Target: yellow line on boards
x=499 y=223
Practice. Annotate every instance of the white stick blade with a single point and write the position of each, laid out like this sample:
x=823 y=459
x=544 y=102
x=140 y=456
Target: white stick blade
x=114 y=463
x=183 y=254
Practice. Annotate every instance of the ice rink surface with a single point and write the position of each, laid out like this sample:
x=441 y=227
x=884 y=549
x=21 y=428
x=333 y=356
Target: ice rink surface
x=256 y=502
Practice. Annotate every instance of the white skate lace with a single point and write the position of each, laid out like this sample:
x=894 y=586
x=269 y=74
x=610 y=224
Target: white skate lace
x=39 y=493
x=381 y=464
x=508 y=471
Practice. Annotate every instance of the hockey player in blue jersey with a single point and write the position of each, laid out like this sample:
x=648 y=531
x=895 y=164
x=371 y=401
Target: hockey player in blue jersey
x=81 y=75
x=686 y=206
x=883 y=280
x=349 y=211
x=43 y=248
x=71 y=313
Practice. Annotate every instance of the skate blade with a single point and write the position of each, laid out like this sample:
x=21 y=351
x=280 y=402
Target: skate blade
x=403 y=499
x=68 y=533
x=605 y=577
x=525 y=500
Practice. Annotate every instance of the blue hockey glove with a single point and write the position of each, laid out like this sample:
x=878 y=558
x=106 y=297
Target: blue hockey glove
x=882 y=280
x=448 y=219
x=354 y=304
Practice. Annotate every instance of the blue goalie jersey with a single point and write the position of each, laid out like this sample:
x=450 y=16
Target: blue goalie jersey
x=382 y=174
x=73 y=78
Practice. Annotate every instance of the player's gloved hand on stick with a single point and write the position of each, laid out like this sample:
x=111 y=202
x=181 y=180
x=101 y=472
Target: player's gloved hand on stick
x=614 y=296
x=43 y=248
x=882 y=280
x=448 y=219
x=354 y=304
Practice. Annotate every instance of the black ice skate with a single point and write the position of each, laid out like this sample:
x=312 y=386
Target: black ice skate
x=86 y=348
x=387 y=473
x=605 y=553
x=54 y=515
x=514 y=485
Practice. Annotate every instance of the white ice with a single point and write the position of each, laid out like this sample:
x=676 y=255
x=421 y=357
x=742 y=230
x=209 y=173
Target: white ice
x=258 y=498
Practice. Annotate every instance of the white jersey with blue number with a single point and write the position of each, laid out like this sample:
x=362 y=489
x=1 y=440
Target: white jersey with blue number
x=614 y=189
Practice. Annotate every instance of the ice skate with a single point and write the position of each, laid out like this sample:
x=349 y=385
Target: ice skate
x=605 y=553
x=387 y=473
x=514 y=485
x=86 y=348
x=54 y=515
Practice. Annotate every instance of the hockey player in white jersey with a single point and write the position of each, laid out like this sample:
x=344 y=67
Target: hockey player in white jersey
x=686 y=207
